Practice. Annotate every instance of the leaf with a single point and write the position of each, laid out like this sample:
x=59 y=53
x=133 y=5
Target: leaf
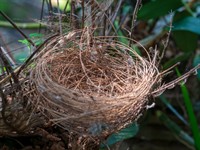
x=176 y=59
x=126 y=9
x=123 y=134
x=22 y=60
x=39 y=42
x=196 y=61
x=187 y=41
x=21 y=57
x=62 y=4
x=157 y=8
x=167 y=103
x=191 y=115
x=174 y=128
x=120 y=34
x=26 y=42
x=123 y=39
x=36 y=35
x=191 y=24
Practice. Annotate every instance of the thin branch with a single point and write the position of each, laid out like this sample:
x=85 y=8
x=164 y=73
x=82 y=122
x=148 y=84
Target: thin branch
x=66 y=6
x=83 y=13
x=166 y=42
x=50 y=8
x=92 y=3
x=27 y=25
x=7 y=51
x=60 y=23
x=19 y=30
x=176 y=81
x=134 y=18
x=115 y=14
x=104 y=24
x=72 y=18
x=7 y=66
x=34 y=52
x=41 y=15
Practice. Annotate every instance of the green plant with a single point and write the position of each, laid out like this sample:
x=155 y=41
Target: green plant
x=185 y=34
x=192 y=118
x=37 y=38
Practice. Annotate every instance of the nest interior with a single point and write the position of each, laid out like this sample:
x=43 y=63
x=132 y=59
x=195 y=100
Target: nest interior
x=92 y=85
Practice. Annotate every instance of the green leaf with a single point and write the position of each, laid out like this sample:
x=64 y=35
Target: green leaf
x=123 y=134
x=36 y=35
x=126 y=9
x=176 y=59
x=167 y=103
x=157 y=8
x=26 y=42
x=21 y=57
x=187 y=41
x=39 y=42
x=192 y=118
x=196 y=61
x=120 y=34
x=123 y=39
x=191 y=24
x=174 y=128
x=62 y=4
x=179 y=15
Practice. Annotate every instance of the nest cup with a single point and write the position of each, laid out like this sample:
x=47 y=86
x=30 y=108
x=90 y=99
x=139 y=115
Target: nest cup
x=92 y=85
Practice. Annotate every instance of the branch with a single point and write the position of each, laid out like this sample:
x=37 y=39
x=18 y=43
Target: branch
x=18 y=29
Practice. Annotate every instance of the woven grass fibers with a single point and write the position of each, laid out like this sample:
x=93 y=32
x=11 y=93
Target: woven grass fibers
x=92 y=85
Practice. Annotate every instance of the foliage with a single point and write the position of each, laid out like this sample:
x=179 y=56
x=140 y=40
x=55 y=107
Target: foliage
x=185 y=35
x=123 y=134
x=192 y=118
x=37 y=38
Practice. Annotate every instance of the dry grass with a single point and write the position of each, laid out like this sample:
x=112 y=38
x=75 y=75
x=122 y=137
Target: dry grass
x=93 y=85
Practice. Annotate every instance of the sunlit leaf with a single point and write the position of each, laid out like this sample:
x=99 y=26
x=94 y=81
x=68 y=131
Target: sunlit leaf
x=26 y=42
x=36 y=35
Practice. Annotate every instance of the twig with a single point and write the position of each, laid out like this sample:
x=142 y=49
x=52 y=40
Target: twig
x=83 y=13
x=7 y=51
x=105 y=24
x=3 y=111
x=134 y=18
x=34 y=52
x=115 y=14
x=60 y=23
x=72 y=12
x=27 y=25
x=166 y=42
x=66 y=6
x=8 y=67
x=14 y=25
x=92 y=10
x=41 y=15
x=50 y=7
x=8 y=77
x=176 y=81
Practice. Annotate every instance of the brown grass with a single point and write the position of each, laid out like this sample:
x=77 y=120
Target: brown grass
x=93 y=85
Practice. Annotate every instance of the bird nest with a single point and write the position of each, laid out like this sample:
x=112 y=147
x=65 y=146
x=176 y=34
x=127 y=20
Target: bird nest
x=92 y=85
